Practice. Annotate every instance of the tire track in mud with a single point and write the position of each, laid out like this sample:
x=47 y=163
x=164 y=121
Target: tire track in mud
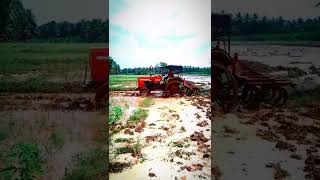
x=175 y=140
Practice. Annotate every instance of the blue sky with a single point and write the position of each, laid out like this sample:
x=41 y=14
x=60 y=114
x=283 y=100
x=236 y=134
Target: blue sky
x=145 y=32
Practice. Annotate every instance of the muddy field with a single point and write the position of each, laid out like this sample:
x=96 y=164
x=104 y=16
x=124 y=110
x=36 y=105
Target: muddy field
x=172 y=141
x=268 y=144
x=272 y=143
x=61 y=125
x=279 y=55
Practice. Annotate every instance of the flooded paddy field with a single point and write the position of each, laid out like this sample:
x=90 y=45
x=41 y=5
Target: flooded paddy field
x=279 y=55
x=62 y=127
x=273 y=142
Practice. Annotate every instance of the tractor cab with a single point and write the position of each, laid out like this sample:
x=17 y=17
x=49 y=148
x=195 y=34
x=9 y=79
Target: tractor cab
x=170 y=71
x=221 y=31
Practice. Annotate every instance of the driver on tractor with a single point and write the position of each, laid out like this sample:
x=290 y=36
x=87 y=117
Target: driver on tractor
x=170 y=75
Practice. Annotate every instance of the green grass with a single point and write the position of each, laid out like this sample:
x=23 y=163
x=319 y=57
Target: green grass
x=146 y=102
x=90 y=165
x=118 y=140
x=124 y=150
x=3 y=135
x=178 y=144
x=115 y=114
x=33 y=84
x=138 y=115
x=135 y=148
x=22 y=161
x=123 y=82
x=37 y=84
x=57 y=140
x=44 y=57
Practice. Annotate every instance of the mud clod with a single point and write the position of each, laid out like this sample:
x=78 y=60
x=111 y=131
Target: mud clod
x=192 y=168
x=199 y=137
x=202 y=124
x=128 y=131
x=285 y=146
x=151 y=174
x=279 y=173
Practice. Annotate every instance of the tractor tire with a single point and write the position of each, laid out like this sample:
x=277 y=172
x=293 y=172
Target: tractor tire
x=225 y=93
x=189 y=92
x=173 y=87
x=144 y=92
x=101 y=95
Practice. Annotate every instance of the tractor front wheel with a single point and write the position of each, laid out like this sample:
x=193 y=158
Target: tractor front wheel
x=144 y=92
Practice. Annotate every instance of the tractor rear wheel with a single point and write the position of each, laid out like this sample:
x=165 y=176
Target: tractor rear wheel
x=144 y=92
x=225 y=83
x=174 y=87
x=101 y=95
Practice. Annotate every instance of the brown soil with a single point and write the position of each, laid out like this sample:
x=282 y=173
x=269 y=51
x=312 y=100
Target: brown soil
x=279 y=173
x=199 y=137
x=48 y=101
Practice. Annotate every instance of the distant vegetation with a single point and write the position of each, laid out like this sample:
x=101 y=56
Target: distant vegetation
x=115 y=69
x=253 y=27
x=18 y=24
x=146 y=70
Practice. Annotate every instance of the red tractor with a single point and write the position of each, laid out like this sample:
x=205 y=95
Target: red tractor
x=170 y=84
x=99 y=68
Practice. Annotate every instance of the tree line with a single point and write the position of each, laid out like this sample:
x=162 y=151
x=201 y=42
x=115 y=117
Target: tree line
x=19 y=24
x=115 y=69
x=95 y=30
x=247 y=24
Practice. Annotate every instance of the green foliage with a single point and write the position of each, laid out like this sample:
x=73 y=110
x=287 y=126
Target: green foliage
x=43 y=58
x=118 y=140
x=57 y=139
x=33 y=84
x=90 y=165
x=146 y=70
x=3 y=135
x=135 y=148
x=124 y=150
x=26 y=162
x=115 y=114
x=138 y=115
x=19 y=23
x=252 y=27
x=114 y=67
x=178 y=144
x=120 y=82
x=94 y=30
x=146 y=102
x=183 y=129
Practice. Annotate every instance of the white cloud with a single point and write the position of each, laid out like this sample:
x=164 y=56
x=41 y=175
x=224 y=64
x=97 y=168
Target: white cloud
x=167 y=30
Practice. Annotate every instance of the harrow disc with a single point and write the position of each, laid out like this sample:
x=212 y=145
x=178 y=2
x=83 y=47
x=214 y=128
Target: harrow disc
x=225 y=87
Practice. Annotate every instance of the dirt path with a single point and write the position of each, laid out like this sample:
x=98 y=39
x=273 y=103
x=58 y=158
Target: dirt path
x=269 y=144
x=175 y=140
